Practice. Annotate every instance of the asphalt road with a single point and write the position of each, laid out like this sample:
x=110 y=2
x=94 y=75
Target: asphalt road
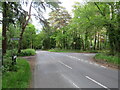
x=72 y=70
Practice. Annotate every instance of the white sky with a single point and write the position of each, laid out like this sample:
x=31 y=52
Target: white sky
x=69 y=3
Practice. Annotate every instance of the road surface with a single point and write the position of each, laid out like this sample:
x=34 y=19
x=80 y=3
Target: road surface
x=72 y=70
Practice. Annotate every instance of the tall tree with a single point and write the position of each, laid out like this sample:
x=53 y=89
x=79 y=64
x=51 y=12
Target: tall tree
x=59 y=19
x=110 y=16
x=4 y=29
x=24 y=23
x=37 y=6
x=10 y=11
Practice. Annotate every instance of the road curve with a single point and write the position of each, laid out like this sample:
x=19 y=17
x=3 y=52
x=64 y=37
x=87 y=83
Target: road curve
x=72 y=70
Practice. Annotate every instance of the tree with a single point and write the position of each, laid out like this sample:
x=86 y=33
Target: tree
x=11 y=13
x=29 y=37
x=59 y=18
x=111 y=23
x=4 y=29
x=24 y=23
x=37 y=6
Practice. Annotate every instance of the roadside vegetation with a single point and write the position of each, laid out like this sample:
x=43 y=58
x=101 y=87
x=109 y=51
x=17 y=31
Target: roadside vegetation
x=27 y=52
x=17 y=78
x=94 y=27
x=74 y=51
x=106 y=58
x=16 y=73
x=18 y=36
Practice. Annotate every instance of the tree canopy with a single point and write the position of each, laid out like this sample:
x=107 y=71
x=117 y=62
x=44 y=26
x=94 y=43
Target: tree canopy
x=94 y=26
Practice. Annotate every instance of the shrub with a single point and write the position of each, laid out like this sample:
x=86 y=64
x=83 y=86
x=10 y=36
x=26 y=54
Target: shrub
x=27 y=52
x=7 y=61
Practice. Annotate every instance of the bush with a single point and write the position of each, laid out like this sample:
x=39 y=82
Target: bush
x=27 y=52
x=10 y=53
x=7 y=61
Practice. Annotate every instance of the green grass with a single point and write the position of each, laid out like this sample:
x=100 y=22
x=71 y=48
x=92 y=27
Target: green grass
x=27 y=52
x=0 y=80
x=107 y=58
x=74 y=51
x=19 y=78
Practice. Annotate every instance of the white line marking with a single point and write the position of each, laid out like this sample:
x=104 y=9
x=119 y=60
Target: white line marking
x=103 y=66
x=86 y=61
x=96 y=64
x=79 y=59
x=91 y=63
x=75 y=85
x=89 y=54
x=71 y=81
x=96 y=82
x=65 y=65
x=86 y=54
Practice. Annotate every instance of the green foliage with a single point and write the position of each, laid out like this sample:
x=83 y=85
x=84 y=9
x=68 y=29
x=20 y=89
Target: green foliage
x=90 y=29
x=10 y=53
x=85 y=29
x=59 y=18
x=19 y=78
x=0 y=37
x=13 y=32
x=7 y=61
x=27 y=52
x=29 y=37
x=108 y=58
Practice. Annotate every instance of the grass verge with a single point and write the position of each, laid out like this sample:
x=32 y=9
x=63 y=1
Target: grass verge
x=102 y=57
x=74 y=51
x=19 y=78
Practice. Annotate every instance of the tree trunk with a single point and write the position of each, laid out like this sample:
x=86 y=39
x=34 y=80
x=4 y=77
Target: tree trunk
x=82 y=44
x=98 y=44
x=4 y=28
x=86 y=40
x=20 y=41
x=95 y=42
x=112 y=40
x=24 y=24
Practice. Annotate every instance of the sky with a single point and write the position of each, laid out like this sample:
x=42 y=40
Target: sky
x=69 y=3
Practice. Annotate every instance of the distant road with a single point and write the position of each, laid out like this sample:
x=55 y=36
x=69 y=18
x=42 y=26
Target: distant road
x=72 y=70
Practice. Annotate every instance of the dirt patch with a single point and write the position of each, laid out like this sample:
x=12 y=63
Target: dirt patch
x=106 y=64
x=31 y=60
